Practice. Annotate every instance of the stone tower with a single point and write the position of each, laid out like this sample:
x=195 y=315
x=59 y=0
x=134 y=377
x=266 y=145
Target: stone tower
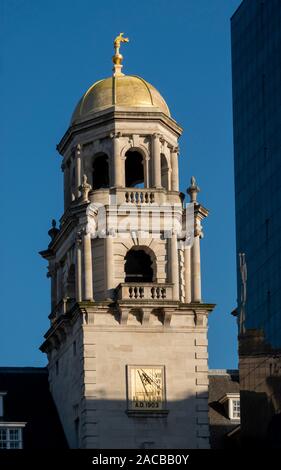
x=127 y=344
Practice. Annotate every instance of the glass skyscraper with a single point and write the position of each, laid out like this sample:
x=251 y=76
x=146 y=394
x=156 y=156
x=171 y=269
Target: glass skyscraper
x=256 y=77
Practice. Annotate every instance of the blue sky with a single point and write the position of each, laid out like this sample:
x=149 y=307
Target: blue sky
x=51 y=52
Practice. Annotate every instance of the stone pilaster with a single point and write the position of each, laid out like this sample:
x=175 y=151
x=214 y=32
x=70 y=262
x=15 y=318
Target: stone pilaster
x=59 y=282
x=174 y=264
x=196 y=269
x=109 y=265
x=156 y=160
x=118 y=161
x=78 y=171
x=175 y=171
x=88 y=274
x=52 y=274
x=66 y=171
x=187 y=273
x=78 y=270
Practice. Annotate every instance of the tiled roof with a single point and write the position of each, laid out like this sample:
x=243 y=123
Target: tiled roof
x=221 y=382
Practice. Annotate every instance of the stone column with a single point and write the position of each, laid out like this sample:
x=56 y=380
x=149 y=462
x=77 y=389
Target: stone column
x=118 y=162
x=175 y=169
x=174 y=265
x=199 y=213
x=187 y=274
x=109 y=266
x=59 y=282
x=145 y=163
x=196 y=269
x=78 y=169
x=78 y=270
x=88 y=268
x=67 y=190
x=53 y=276
x=156 y=161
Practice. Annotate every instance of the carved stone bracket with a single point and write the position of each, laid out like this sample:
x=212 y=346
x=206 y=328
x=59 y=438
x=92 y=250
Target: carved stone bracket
x=123 y=315
x=145 y=316
x=200 y=318
x=167 y=317
x=198 y=230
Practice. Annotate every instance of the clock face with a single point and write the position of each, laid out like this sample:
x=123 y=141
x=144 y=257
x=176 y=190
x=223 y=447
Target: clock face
x=146 y=386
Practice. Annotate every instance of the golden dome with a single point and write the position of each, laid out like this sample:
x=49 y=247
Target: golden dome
x=122 y=90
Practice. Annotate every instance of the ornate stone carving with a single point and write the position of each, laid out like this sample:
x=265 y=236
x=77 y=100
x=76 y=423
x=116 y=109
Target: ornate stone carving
x=115 y=135
x=193 y=190
x=85 y=188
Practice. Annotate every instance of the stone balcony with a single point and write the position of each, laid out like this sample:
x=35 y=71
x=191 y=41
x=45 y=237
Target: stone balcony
x=136 y=196
x=145 y=291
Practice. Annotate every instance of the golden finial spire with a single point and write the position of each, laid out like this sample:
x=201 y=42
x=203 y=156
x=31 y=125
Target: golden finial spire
x=117 y=58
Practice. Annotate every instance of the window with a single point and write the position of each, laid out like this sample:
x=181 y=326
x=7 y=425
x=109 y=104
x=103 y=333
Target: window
x=10 y=438
x=235 y=414
x=231 y=403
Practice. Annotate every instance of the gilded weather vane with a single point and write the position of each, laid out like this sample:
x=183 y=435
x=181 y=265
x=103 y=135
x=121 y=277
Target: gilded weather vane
x=117 y=58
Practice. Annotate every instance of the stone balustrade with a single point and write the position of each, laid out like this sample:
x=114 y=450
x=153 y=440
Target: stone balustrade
x=140 y=197
x=144 y=291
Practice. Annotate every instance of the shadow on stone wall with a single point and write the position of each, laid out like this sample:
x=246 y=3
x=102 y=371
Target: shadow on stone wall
x=107 y=424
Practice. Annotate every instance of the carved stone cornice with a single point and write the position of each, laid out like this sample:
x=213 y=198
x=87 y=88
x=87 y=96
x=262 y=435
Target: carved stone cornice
x=115 y=135
x=174 y=149
x=111 y=116
x=157 y=135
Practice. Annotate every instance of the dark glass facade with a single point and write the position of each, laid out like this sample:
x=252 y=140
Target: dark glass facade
x=256 y=78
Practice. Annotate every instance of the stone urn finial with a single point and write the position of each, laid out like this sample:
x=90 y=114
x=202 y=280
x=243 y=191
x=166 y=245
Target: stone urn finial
x=193 y=190
x=85 y=188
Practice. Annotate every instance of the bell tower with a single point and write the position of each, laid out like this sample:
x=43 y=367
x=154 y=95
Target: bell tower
x=127 y=343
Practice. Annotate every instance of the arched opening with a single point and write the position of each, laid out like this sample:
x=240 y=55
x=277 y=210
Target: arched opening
x=138 y=266
x=134 y=169
x=70 y=283
x=100 y=177
x=164 y=172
